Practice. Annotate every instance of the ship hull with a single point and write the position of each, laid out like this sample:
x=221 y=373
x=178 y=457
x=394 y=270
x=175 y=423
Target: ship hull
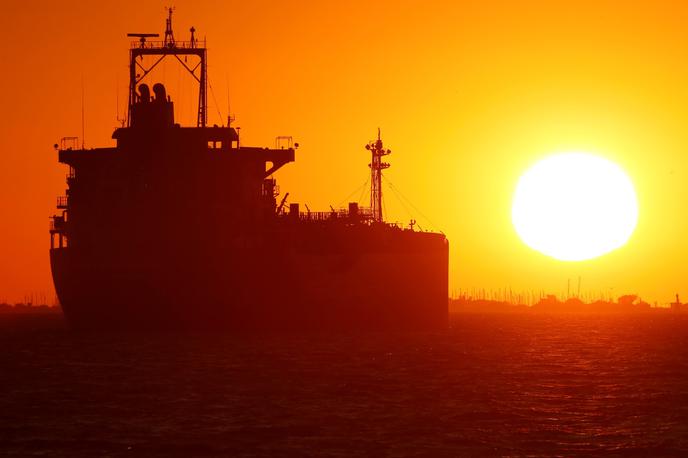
x=288 y=284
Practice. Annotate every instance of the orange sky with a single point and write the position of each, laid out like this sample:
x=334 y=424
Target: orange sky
x=468 y=95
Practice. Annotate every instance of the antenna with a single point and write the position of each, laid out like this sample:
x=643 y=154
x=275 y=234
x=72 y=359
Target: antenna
x=169 y=35
x=83 y=117
x=121 y=121
x=142 y=37
x=230 y=118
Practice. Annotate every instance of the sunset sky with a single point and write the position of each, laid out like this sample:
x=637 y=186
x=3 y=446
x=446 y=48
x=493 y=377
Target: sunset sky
x=468 y=95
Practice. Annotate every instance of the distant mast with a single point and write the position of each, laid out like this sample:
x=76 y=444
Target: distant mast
x=376 y=165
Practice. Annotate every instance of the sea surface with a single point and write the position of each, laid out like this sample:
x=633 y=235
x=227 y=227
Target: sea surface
x=491 y=385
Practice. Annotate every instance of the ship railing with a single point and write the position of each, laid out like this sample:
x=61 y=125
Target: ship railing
x=57 y=223
x=71 y=177
x=317 y=216
x=334 y=215
x=69 y=143
x=364 y=216
x=197 y=44
x=364 y=211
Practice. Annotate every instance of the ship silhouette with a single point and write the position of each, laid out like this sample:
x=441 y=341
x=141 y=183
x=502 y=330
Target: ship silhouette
x=180 y=227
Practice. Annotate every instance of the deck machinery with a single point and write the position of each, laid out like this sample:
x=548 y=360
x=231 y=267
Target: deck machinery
x=179 y=227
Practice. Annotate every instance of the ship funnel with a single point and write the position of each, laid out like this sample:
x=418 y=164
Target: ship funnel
x=159 y=113
x=160 y=93
x=144 y=93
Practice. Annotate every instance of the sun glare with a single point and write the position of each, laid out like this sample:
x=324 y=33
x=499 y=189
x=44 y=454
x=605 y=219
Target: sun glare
x=574 y=206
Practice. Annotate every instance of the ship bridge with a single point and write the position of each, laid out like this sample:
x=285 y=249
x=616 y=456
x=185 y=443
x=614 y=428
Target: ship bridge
x=160 y=173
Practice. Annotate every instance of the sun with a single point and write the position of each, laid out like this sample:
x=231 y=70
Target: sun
x=574 y=206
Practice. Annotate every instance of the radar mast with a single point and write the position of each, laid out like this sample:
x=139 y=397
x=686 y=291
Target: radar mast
x=163 y=49
x=377 y=151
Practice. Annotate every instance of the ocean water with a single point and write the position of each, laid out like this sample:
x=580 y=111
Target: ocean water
x=491 y=385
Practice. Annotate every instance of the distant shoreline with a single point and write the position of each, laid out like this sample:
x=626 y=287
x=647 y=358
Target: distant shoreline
x=628 y=304
x=467 y=306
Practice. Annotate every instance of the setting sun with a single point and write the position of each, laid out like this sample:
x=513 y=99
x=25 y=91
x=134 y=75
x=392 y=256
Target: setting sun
x=574 y=206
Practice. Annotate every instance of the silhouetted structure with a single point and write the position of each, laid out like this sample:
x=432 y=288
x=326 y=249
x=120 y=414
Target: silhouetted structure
x=676 y=306
x=180 y=227
x=377 y=152
x=629 y=303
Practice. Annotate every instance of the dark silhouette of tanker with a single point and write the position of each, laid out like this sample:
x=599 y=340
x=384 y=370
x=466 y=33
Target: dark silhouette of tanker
x=179 y=227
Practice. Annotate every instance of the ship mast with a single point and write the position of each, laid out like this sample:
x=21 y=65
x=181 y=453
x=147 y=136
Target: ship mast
x=169 y=34
x=376 y=165
x=169 y=47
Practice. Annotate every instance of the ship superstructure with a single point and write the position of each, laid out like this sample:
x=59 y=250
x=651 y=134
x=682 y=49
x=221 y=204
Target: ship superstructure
x=181 y=227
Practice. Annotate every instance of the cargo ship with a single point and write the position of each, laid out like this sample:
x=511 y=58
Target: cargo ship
x=183 y=227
